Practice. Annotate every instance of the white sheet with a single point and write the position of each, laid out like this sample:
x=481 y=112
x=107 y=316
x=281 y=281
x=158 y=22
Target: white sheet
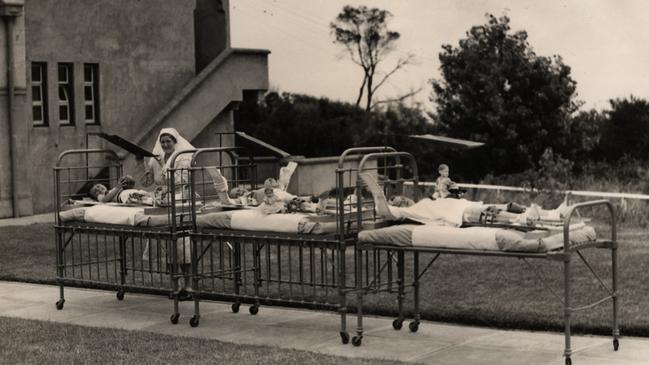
x=112 y=214
x=446 y=211
x=255 y=220
x=472 y=238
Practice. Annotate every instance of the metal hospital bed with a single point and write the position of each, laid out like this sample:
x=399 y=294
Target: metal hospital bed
x=122 y=257
x=380 y=267
x=280 y=268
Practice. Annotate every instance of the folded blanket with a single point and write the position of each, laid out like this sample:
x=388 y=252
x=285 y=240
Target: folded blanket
x=282 y=223
x=472 y=238
x=255 y=220
x=542 y=241
x=476 y=238
x=447 y=211
x=111 y=214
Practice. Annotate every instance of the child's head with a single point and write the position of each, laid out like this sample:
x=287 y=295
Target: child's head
x=97 y=190
x=271 y=182
x=269 y=192
x=443 y=169
x=238 y=192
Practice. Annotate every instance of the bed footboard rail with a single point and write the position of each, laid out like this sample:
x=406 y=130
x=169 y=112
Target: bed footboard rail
x=73 y=170
x=573 y=209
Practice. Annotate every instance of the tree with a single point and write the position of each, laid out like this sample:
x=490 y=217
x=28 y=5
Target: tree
x=585 y=128
x=365 y=35
x=315 y=127
x=626 y=130
x=496 y=89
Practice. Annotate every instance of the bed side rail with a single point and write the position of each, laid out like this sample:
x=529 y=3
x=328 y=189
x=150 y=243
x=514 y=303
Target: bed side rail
x=573 y=209
x=204 y=173
x=78 y=169
x=361 y=150
x=178 y=191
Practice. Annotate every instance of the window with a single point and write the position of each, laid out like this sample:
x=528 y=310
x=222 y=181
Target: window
x=39 y=93
x=66 y=94
x=91 y=92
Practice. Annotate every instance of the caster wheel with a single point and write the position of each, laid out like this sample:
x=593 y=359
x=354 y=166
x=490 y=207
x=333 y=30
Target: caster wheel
x=174 y=318
x=254 y=309
x=413 y=326
x=59 y=304
x=356 y=340
x=344 y=337
x=568 y=361
x=194 y=321
x=120 y=295
x=397 y=324
x=616 y=344
x=235 y=307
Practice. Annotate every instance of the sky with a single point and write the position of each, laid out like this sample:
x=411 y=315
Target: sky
x=605 y=42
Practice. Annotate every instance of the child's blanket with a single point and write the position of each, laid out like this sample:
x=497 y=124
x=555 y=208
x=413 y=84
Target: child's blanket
x=111 y=214
x=445 y=211
x=472 y=238
x=476 y=238
x=255 y=220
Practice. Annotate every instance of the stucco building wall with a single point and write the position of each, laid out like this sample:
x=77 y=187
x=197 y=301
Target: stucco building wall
x=145 y=52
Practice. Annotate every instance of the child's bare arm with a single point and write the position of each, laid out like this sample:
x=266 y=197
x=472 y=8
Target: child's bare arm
x=111 y=195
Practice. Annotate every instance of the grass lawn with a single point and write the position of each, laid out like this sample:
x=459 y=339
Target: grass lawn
x=498 y=292
x=36 y=342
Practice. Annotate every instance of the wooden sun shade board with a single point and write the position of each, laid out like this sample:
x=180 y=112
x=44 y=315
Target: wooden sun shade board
x=129 y=146
x=448 y=140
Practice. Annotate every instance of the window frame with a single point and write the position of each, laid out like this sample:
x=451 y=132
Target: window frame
x=42 y=87
x=67 y=87
x=93 y=84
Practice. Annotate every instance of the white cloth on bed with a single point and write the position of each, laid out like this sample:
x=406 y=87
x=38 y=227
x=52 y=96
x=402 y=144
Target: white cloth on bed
x=132 y=196
x=472 y=238
x=255 y=220
x=445 y=211
x=111 y=214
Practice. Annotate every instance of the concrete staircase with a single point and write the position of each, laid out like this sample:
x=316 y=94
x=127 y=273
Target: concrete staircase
x=198 y=106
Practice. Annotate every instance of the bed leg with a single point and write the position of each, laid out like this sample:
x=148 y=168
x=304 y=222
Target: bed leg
x=194 y=321
x=171 y=247
x=414 y=325
x=254 y=309
x=356 y=340
x=566 y=308
x=342 y=295
x=237 y=276
x=122 y=265
x=59 y=269
x=398 y=323
x=616 y=330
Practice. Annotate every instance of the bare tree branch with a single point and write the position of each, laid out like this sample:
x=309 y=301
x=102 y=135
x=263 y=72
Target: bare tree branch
x=400 y=64
x=364 y=33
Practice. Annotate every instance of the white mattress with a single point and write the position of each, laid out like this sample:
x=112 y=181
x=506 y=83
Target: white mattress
x=472 y=238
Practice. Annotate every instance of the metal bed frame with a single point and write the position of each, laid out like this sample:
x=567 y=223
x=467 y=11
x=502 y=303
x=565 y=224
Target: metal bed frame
x=110 y=256
x=379 y=276
x=274 y=268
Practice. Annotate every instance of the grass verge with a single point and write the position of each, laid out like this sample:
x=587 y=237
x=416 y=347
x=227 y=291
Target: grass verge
x=36 y=342
x=494 y=292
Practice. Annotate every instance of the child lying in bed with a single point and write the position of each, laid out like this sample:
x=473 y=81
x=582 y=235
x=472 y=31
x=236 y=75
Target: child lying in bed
x=123 y=193
x=455 y=212
x=272 y=199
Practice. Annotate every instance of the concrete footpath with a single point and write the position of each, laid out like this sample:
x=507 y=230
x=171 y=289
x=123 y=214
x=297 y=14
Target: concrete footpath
x=434 y=343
